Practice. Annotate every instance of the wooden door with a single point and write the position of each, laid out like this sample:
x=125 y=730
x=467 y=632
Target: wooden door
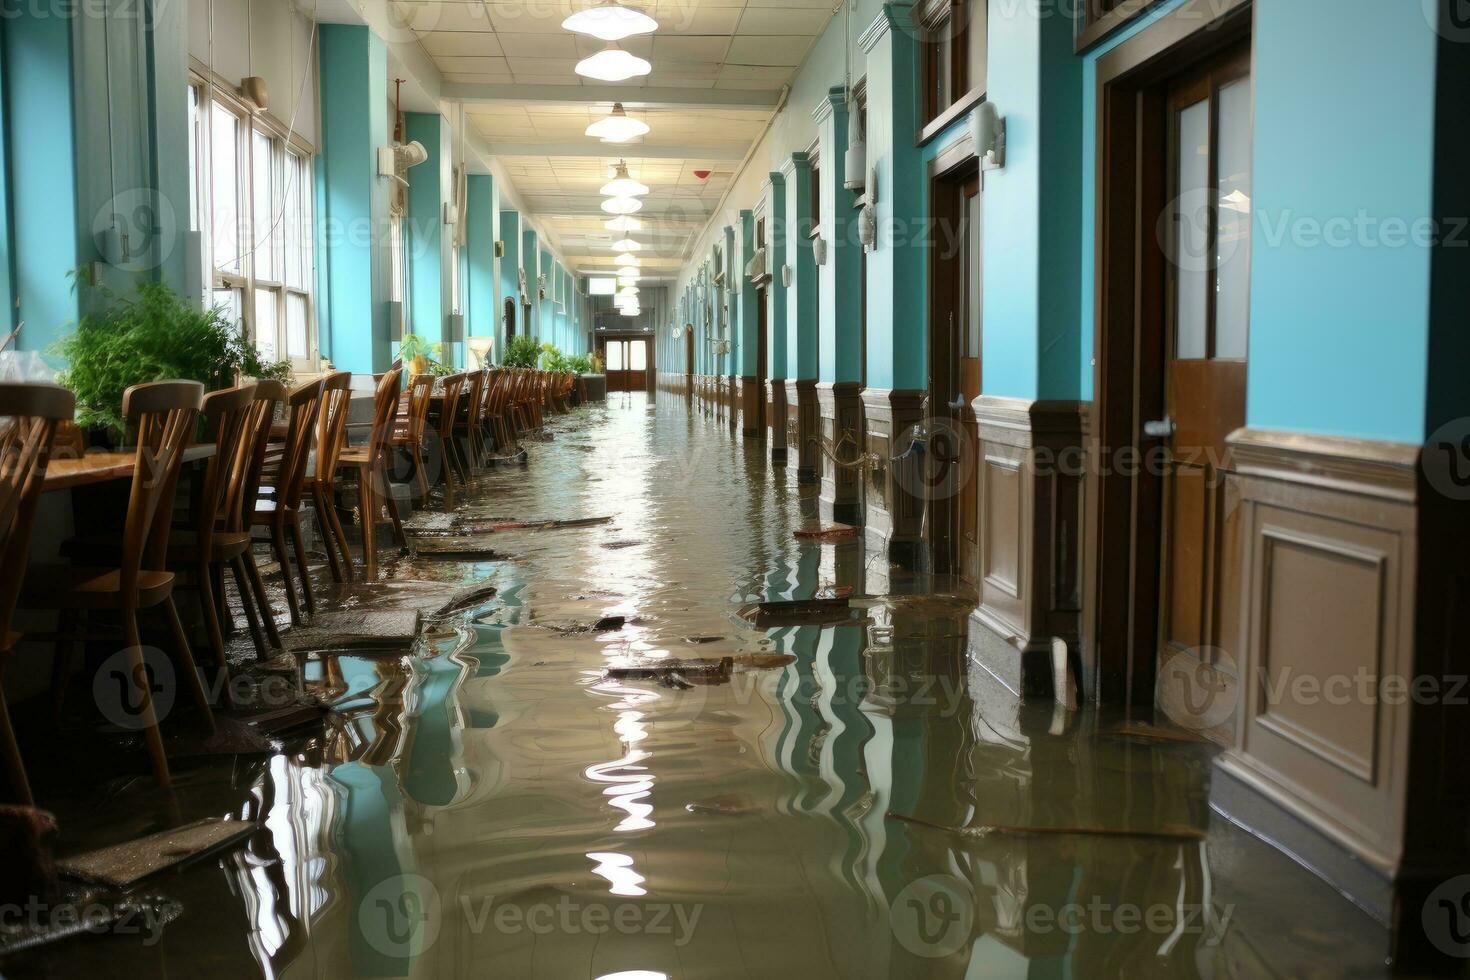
x=627 y=363
x=1207 y=248
x=762 y=362
x=952 y=508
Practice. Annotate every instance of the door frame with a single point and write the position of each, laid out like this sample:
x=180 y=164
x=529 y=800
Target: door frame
x=1120 y=616
x=951 y=172
x=649 y=366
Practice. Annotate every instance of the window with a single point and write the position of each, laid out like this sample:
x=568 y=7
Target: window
x=250 y=199
x=602 y=286
x=953 y=32
x=814 y=190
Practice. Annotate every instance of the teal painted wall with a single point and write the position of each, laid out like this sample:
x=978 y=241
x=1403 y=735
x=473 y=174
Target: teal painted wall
x=801 y=298
x=528 y=263
x=839 y=343
x=546 y=309
x=776 y=289
x=483 y=288
x=169 y=113
x=353 y=206
x=1340 y=323
x=510 y=280
x=43 y=191
x=426 y=236
x=7 y=297
x=747 y=316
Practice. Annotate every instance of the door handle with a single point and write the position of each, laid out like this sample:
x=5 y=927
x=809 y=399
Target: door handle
x=1159 y=428
x=958 y=403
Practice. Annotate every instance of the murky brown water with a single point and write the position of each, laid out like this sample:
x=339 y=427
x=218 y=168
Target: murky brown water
x=493 y=806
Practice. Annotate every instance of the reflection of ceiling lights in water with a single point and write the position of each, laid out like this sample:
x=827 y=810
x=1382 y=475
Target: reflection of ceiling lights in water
x=622 y=185
x=618 y=127
x=623 y=223
x=622 y=205
x=610 y=22
x=613 y=64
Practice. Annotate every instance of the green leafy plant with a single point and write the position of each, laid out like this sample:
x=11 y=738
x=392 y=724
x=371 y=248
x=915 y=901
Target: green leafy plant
x=522 y=351
x=580 y=363
x=552 y=359
x=154 y=336
x=415 y=345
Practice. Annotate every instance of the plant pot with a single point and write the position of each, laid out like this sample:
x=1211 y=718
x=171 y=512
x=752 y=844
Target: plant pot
x=418 y=365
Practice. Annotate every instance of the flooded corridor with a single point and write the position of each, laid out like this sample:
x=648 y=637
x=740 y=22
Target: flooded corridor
x=495 y=804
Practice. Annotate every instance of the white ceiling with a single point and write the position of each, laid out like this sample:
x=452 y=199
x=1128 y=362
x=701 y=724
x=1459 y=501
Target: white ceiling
x=486 y=50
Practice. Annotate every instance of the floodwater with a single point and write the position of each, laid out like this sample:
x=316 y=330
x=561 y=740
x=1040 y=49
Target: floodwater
x=493 y=805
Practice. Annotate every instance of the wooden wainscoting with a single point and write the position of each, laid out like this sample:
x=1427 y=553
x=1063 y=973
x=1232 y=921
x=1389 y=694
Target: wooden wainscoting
x=802 y=432
x=1327 y=596
x=893 y=517
x=751 y=393
x=1030 y=472
x=776 y=417
x=840 y=417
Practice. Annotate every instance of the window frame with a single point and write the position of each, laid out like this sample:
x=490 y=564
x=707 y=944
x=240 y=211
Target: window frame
x=964 y=92
x=287 y=152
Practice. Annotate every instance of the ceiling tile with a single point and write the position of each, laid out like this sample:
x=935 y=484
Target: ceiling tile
x=676 y=19
x=468 y=66
x=785 y=50
x=695 y=51
x=460 y=43
x=783 y=20
x=561 y=45
x=423 y=18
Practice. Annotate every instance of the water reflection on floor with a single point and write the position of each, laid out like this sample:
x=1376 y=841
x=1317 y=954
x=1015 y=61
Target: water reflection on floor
x=494 y=806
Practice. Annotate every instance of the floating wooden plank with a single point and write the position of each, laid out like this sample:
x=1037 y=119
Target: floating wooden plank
x=1169 y=832
x=460 y=548
x=825 y=608
x=355 y=629
x=475 y=595
x=829 y=532
x=676 y=673
x=124 y=865
x=494 y=527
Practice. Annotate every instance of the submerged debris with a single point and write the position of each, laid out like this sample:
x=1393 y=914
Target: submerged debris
x=455 y=548
x=702 y=639
x=355 y=629
x=475 y=595
x=830 y=532
x=681 y=674
x=981 y=831
x=726 y=805
x=608 y=623
x=826 y=607
x=618 y=545
x=124 y=865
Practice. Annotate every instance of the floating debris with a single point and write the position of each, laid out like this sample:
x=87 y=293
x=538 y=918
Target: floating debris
x=765 y=661
x=727 y=805
x=124 y=865
x=355 y=629
x=830 y=532
x=609 y=623
x=1152 y=733
x=475 y=595
x=457 y=548
x=826 y=607
x=982 y=831
x=495 y=527
x=618 y=545
x=676 y=673
x=702 y=639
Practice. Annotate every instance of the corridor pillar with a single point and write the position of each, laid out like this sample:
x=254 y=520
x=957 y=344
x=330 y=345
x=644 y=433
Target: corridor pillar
x=750 y=369
x=897 y=376
x=839 y=321
x=801 y=320
x=774 y=193
x=355 y=260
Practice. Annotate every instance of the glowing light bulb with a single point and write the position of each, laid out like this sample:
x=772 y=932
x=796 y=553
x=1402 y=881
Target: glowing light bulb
x=610 y=22
x=613 y=64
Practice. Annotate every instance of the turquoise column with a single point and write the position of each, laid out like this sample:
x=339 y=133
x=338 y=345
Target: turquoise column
x=774 y=193
x=747 y=317
x=897 y=344
x=353 y=205
x=1031 y=346
x=730 y=303
x=510 y=277
x=546 y=320
x=528 y=265
x=37 y=66
x=427 y=238
x=839 y=321
x=483 y=293
x=801 y=298
x=7 y=297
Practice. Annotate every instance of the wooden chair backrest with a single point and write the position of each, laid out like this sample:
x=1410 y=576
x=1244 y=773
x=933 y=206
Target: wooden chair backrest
x=449 y=409
x=244 y=487
x=420 y=395
x=304 y=402
x=29 y=414
x=331 y=424
x=228 y=417
x=474 y=397
x=162 y=414
x=385 y=408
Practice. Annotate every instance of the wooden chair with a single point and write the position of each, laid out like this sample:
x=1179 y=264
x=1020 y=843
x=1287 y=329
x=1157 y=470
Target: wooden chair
x=163 y=414
x=322 y=471
x=444 y=429
x=370 y=465
x=280 y=512
x=239 y=513
x=498 y=412
x=31 y=413
x=470 y=418
x=410 y=426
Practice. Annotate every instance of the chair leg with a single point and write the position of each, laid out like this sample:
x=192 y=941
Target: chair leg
x=247 y=602
x=262 y=601
x=420 y=472
x=395 y=516
x=278 y=545
x=186 y=661
x=293 y=526
x=204 y=571
x=15 y=766
x=368 y=517
x=221 y=604
x=339 y=533
x=325 y=529
x=151 y=734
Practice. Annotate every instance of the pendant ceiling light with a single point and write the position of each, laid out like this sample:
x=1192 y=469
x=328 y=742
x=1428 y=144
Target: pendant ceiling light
x=626 y=259
x=610 y=21
x=628 y=292
x=631 y=311
x=627 y=271
x=623 y=223
x=628 y=280
x=618 y=127
x=627 y=245
x=621 y=205
x=622 y=185
x=613 y=64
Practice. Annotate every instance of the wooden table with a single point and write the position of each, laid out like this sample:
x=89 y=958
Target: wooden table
x=63 y=474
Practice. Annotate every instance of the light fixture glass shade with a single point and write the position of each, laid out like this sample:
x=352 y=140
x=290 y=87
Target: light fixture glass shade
x=610 y=22
x=626 y=259
x=622 y=205
x=628 y=245
x=622 y=185
x=618 y=127
x=628 y=292
x=631 y=311
x=623 y=223
x=627 y=271
x=613 y=64
x=628 y=280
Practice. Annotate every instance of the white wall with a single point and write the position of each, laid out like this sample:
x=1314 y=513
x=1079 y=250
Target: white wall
x=280 y=51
